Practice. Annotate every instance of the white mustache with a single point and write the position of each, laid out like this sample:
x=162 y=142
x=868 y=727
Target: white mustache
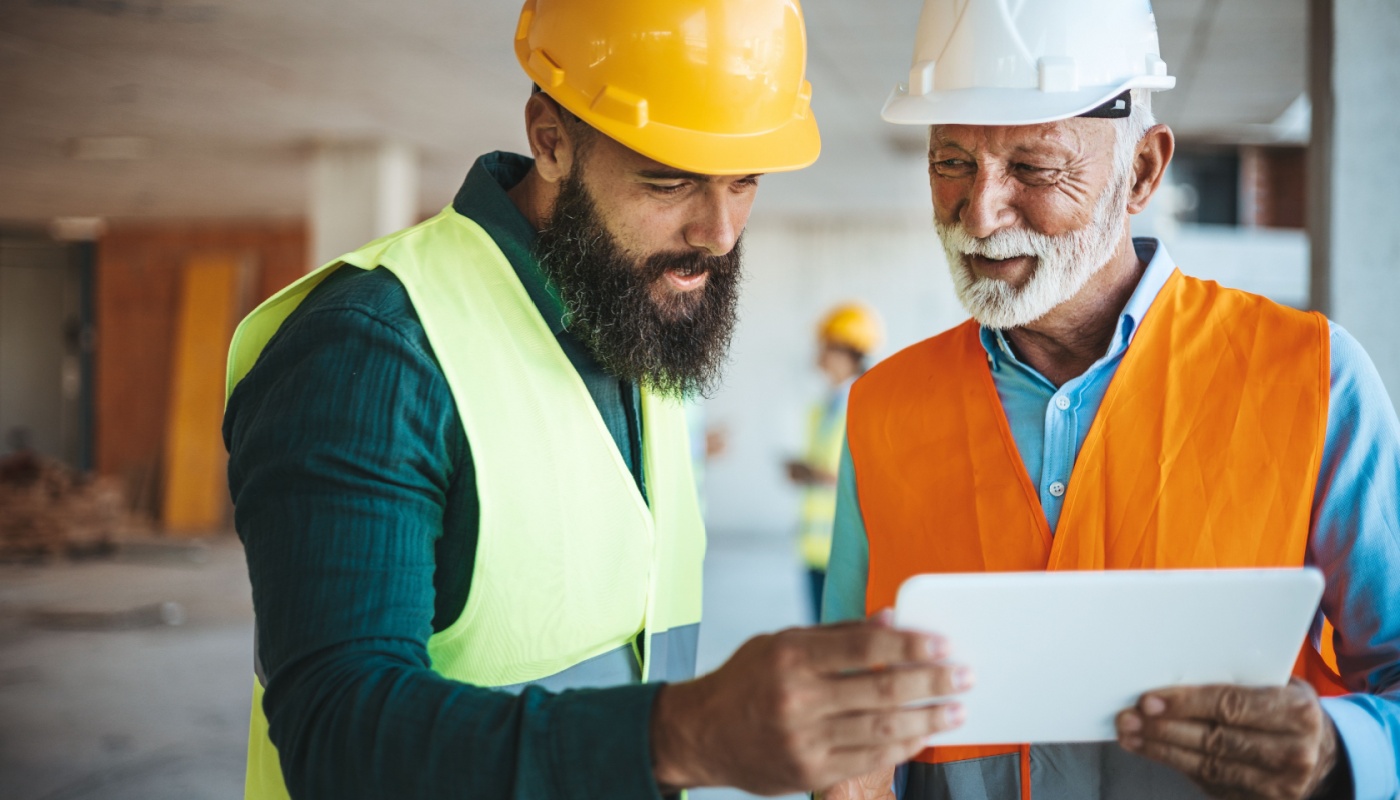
x=1004 y=244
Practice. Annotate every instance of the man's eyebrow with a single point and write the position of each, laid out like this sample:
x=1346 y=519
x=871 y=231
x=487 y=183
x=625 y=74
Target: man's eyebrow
x=1042 y=148
x=668 y=174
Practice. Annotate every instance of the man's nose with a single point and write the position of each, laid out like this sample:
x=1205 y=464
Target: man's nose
x=988 y=206
x=717 y=222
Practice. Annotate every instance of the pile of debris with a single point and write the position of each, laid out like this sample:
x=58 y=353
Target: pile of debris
x=48 y=509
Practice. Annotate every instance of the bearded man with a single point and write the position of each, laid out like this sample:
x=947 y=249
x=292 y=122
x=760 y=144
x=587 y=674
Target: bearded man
x=1101 y=410
x=461 y=471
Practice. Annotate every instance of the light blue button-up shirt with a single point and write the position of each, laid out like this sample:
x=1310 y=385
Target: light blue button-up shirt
x=1355 y=536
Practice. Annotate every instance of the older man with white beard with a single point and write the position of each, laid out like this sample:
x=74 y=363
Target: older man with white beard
x=1102 y=410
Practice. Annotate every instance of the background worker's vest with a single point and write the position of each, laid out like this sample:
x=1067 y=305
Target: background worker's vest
x=826 y=432
x=577 y=580
x=1204 y=453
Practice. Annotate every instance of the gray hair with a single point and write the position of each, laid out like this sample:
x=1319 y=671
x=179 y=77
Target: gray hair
x=1130 y=131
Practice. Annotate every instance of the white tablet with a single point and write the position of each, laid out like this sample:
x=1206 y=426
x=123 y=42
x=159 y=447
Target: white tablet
x=1058 y=654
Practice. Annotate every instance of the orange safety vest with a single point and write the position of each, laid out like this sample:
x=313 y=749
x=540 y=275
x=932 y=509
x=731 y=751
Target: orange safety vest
x=1204 y=453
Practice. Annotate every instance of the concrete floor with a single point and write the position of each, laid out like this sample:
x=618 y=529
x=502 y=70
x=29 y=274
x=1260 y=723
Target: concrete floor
x=100 y=699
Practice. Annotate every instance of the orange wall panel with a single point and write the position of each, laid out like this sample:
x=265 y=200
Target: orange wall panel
x=193 y=497
x=138 y=280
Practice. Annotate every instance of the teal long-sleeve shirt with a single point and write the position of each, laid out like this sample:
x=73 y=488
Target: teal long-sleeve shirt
x=355 y=498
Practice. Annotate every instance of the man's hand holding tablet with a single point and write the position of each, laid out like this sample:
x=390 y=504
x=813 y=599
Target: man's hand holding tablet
x=823 y=703
x=1270 y=743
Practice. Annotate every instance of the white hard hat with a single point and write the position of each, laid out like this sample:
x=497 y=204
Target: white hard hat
x=1022 y=62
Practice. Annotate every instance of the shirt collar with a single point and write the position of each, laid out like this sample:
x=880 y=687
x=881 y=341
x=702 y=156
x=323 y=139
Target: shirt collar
x=1160 y=267
x=483 y=199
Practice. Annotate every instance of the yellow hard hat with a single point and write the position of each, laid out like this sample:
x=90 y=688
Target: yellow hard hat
x=852 y=325
x=708 y=86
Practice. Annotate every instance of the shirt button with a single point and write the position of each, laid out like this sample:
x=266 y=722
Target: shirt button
x=1057 y=489
x=1062 y=403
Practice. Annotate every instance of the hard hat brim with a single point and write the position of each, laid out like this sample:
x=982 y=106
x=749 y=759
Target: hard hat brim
x=1006 y=106
x=791 y=146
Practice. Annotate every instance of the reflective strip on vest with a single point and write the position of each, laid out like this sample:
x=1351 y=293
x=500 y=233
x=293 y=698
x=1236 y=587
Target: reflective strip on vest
x=674 y=653
x=673 y=660
x=1058 y=772
x=575 y=575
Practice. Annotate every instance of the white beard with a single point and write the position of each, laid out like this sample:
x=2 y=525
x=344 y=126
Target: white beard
x=1063 y=264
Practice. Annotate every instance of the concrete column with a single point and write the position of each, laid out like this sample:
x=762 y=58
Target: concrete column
x=1354 y=175
x=359 y=192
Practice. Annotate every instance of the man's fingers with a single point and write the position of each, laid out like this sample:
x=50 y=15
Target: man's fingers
x=1214 y=739
x=895 y=687
x=1286 y=709
x=1210 y=771
x=893 y=727
x=864 y=647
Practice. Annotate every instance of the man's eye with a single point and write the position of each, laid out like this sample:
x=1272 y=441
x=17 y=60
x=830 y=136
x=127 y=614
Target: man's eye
x=667 y=188
x=1031 y=169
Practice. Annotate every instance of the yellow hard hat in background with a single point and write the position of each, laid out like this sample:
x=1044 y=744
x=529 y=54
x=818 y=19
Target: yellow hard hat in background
x=852 y=325
x=709 y=86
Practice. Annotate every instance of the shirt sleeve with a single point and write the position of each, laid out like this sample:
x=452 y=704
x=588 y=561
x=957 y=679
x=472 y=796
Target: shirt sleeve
x=843 y=597
x=339 y=467
x=1355 y=541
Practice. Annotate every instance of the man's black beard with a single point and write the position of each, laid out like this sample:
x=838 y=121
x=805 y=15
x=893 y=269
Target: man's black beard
x=674 y=347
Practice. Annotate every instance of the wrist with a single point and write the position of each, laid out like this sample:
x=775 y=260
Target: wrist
x=675 y=751
x=1336 y=782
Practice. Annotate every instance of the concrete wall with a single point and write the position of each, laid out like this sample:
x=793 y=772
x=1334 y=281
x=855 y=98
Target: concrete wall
x=1268 y=261
x=1356 y=269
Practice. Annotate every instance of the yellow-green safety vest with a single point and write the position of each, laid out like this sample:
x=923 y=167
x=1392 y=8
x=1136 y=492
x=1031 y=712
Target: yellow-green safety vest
x=826 y=433
x=578 y=581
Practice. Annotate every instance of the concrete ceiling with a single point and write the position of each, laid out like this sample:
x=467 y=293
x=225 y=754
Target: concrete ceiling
x=223 y=100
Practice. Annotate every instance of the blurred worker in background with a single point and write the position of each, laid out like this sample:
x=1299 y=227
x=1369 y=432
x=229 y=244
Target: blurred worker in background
x=461 y=472
x=1104 y=411
x=846 y=336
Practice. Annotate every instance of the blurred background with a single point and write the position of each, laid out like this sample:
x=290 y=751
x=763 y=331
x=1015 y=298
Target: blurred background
x=167 y=164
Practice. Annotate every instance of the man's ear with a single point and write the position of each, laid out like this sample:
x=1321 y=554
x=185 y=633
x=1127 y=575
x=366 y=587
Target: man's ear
x=549 y=139
x=1154 y=153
